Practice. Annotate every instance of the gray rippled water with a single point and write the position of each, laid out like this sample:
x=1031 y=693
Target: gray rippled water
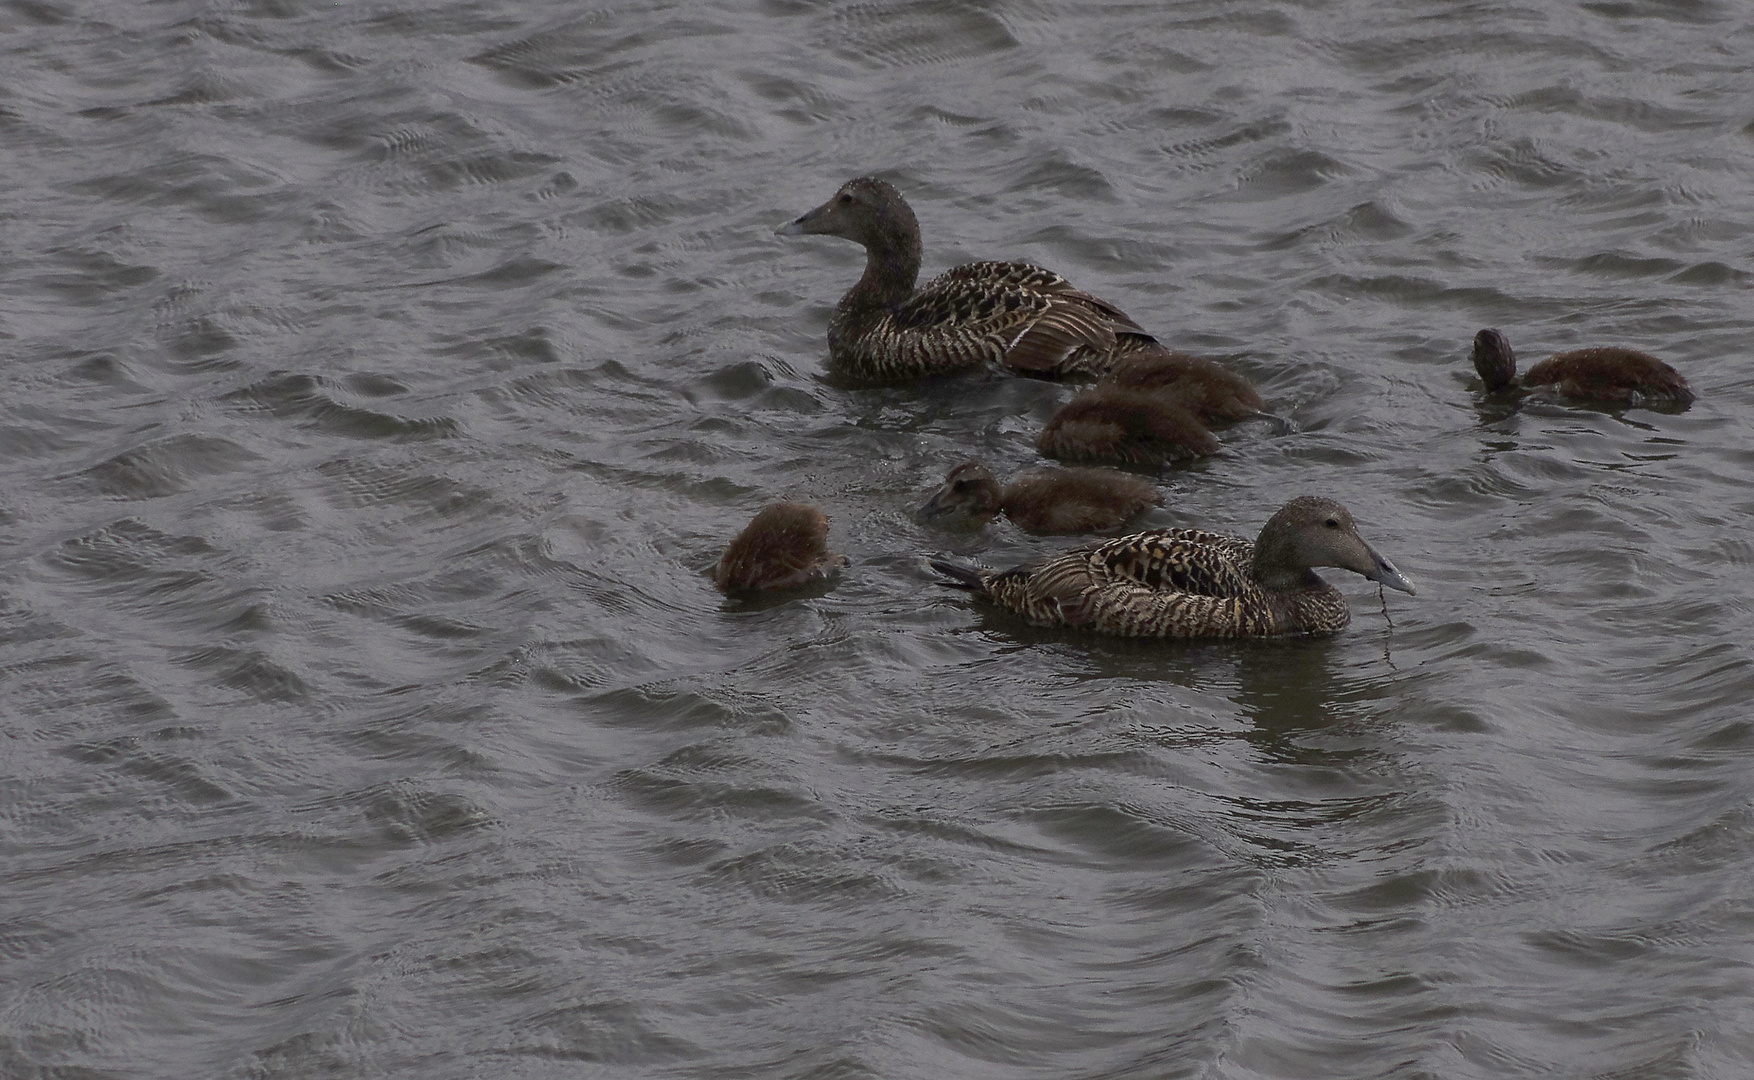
x=382 y=377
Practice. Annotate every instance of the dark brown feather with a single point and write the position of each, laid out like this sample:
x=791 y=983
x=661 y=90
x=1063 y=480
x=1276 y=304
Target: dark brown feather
x=1134 y=427
x=1611 y=373
x=785 y=546
x=1206 y=388
x=1045 y=500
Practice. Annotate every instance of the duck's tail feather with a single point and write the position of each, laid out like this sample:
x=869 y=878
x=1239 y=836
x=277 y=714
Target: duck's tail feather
x=957 y=576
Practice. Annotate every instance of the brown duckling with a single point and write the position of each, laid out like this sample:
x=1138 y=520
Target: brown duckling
x=1126 y=425
x=1022 y=317
x=1186 y=583
x=1206 y=388
x=1044 y=500
x=785 y=546
x=1610 y=374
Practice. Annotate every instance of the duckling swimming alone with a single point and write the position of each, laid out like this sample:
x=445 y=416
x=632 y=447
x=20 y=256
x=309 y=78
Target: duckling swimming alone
x=1127 y=425
x=1186 y=583
x=1044 y=500
x=1608 y=373
x=785 y=546
x=1027 y=319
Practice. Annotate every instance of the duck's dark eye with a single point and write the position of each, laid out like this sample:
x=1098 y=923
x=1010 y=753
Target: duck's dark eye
x=962 y=485
x=845 y=199
x=1331 y=523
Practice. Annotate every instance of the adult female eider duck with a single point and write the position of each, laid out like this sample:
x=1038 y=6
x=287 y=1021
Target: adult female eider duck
x=1204 y=387
x=1044 y=500
x=1186 y=583
x=1143 y=428
x=1608 y=373
x=1027 y=319
x=785 y=546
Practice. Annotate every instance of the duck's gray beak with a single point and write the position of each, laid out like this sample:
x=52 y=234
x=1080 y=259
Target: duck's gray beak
x=816 y=221
x=1384 y=573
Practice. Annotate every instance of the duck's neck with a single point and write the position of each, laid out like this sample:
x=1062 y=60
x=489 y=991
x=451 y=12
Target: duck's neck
x=1274 y=568
x=892 y=265
x=1280 y=579
x=1496 y=364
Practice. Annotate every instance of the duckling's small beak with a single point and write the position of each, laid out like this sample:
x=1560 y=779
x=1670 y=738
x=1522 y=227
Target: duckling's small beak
x=791 y=228
x=934 y=508
x=1384 y=573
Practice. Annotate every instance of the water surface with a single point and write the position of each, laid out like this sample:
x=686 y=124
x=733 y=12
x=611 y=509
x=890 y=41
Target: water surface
x=382 y=377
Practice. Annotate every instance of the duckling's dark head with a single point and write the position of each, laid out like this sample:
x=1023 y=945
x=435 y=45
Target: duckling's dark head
x=1308 y=532
x=970 y=488
x=866 y=211
x=1494 y=360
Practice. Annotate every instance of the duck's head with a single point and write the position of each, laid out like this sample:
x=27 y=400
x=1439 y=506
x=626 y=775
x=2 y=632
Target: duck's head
x=866 y=211
x=1308 y=532
x=970 y=488
x=1494 y=360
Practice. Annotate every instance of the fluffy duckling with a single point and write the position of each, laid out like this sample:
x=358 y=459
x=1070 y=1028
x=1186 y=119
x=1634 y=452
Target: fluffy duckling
x=785 y=546
x=1610 y=374
x=1044 y=500
x=1122 y=424
x=1022 y=317
x=1204 y=387
x=1185 y=583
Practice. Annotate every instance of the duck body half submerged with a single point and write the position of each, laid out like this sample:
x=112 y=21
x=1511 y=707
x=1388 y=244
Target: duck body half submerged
x=1044 y=500
x=1127 y=425
x=1611 y=374
x=1016 y=315
x=785 y=546
x=1204 y=387
x=1187 y=583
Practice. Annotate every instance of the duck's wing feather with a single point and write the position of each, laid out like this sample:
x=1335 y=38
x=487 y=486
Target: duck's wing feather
x=1190 y=561
x=1136 y=611
x=1030 y=318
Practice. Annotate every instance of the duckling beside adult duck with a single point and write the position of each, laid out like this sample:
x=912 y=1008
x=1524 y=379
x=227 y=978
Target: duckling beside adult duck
x=1020 y=316
x=1044 y=500
x=1610 y=374
x=1185 y=583
x=1142 y=428
x=1204 y=387
x=784 y=547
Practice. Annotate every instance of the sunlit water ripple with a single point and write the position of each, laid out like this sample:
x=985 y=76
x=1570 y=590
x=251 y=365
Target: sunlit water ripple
x=383 y=378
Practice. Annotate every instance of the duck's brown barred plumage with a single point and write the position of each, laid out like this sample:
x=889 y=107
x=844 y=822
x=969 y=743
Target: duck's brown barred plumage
x=1013 y=315
x=1167 y=583
x=1193 y=583
x=1016 y=315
